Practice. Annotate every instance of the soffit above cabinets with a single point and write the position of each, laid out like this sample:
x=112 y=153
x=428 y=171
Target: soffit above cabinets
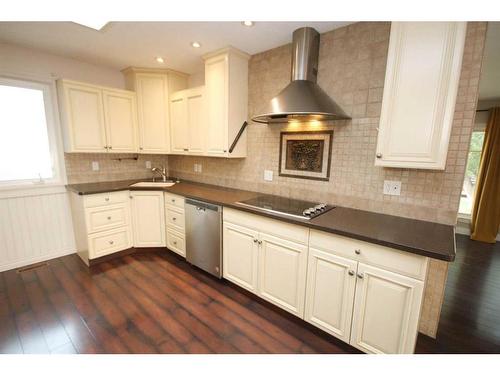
x=122 y=44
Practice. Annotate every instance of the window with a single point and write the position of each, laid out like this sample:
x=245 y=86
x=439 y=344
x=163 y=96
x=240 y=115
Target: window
x=471 y=172
x=28 y=147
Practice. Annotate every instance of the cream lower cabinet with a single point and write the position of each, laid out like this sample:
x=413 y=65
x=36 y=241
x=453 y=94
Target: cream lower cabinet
x=148 y=215
x=331 y=282
x=176 y=226
x=266 y=257
x=386 y=311
x=102 y=224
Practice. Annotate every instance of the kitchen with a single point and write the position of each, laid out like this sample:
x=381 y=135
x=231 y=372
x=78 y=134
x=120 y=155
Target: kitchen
x=295 y=195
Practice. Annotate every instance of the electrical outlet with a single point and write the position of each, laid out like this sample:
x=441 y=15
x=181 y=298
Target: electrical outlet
x=268 y=175
x=95 y=166
x=148 y=164
x=392 y=187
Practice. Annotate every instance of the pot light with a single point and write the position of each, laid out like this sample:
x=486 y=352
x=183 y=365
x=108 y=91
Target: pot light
x=160 y=60
x=195 y=45
x=247 y=23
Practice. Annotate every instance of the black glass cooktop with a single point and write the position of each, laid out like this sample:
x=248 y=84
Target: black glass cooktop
x=286 y=206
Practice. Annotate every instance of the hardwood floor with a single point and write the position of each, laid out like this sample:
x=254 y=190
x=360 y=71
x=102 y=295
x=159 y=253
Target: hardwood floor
x=154 y=302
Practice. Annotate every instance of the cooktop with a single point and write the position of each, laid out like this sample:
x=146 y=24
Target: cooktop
x=286 y=206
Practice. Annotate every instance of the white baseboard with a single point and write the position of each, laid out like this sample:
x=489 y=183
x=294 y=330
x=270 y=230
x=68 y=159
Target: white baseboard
x=27 y=262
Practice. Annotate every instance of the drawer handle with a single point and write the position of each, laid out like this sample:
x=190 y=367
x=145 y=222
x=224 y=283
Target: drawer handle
x=360 y=276
x=357 y=251
x=351 y=273
x=109 y=217
x=106 y=199
x=111 y=242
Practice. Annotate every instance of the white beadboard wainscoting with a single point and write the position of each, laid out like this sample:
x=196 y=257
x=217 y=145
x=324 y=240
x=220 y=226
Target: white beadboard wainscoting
x=34 y=227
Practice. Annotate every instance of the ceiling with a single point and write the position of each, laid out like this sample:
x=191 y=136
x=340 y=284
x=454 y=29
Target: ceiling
x=122 y=44
x=489 y=86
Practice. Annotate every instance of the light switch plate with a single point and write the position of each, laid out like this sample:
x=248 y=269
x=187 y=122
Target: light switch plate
x=95 y=166
x=392 y=187
x=268 y=175
x=148 y=164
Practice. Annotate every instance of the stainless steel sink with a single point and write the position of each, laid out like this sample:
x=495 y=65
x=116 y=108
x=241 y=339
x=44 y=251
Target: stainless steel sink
x=154 y=184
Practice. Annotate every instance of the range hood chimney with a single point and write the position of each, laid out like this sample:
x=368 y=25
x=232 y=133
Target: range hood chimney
x=302 y=99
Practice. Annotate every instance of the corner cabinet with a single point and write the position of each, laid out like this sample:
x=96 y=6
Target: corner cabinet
x=226 y=88
x=153 y=87
x=187 y=121
x=97 y=119
x=420 y=91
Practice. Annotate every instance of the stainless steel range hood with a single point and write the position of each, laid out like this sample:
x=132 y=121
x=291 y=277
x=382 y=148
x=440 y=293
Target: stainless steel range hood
x=302 y=99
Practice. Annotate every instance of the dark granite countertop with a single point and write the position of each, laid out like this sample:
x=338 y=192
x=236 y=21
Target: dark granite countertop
x=416 y=236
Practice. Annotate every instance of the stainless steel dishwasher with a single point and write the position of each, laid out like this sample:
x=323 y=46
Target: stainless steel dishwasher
x=204 y=235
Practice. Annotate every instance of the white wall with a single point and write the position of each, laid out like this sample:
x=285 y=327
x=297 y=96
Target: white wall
x=196 y=79
x=37 y=226
x=21 y=60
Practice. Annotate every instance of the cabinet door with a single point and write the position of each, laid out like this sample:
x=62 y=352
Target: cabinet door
x=152 y=104
x=148 y=215
x=282 y=273
x=196 y=120
x=84 y=118
x=179 y=123
x=121 y=120
x=216 y=81
x=421 y=84
x=331 y=281
x=240 y=256
x=386 y=311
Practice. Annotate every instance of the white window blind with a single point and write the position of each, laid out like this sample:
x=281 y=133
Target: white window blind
x=28 y=150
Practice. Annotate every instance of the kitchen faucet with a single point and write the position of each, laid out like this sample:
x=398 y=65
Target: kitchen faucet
x=162 y=172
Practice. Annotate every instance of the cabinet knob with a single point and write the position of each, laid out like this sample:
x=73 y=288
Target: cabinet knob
x=260 y=242
x=378 y=155
x=109 y=217
x=351 y=273
x=357 y=251
x=110 y=147
x=224 y=151
x=175 y=242
x=111 y=242
x=174 y=218
x=186 y=149
x=360 y=275
x=140 y=148
x=255 y=240
x=105 y=147
x=106 y=199
x=131 y=197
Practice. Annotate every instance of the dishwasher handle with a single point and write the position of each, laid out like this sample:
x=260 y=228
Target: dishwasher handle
x=203 y=206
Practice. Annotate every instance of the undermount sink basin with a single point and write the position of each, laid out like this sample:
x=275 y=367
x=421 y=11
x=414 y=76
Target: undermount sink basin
x=154 y=184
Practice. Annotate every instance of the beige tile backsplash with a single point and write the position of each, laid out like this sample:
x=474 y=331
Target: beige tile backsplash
x=79 y=167
x=351 y=69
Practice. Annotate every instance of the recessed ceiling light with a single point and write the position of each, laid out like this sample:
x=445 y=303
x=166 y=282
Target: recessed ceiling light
x=247 y=23
x=160 y=60
x=195 y=45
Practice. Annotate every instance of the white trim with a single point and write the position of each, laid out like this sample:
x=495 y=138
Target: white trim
x=33 y=260
x=31 y=190
x=48 y=86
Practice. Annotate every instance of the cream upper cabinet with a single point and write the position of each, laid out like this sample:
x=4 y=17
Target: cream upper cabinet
x=240 y=255
x=82 y=116
x=331 y=281
x=386 y=311
x=226 y=88
x=420 y=90
x=148 y=217
x=282 y=273
x=97 y=119
x=120 y=115
x=187 y=115
x=153 y=87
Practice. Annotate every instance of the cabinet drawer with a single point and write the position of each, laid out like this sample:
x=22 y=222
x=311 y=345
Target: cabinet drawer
x=294 y=233
x=107 y=217
x=175 y=219
x=105 y=199
x=390 y=259
x=174 y=200
x=109 y=242
x=176 y=242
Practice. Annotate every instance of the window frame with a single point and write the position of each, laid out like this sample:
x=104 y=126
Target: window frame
x=48 y=87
